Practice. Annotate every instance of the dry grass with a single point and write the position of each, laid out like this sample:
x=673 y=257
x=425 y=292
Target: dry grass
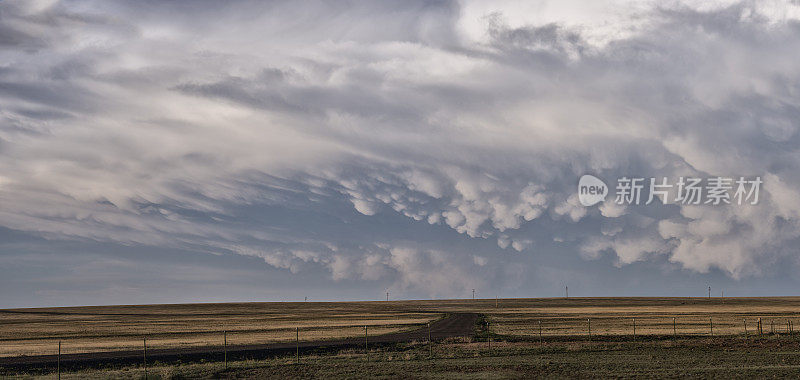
x=695 y=358
x=89 y=329
x=86 y=329
x=653 y=316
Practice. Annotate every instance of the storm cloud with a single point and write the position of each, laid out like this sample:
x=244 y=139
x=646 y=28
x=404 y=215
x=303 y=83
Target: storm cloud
x=428 y=147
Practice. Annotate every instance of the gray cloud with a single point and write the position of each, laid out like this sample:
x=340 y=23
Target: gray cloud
x=419 y=145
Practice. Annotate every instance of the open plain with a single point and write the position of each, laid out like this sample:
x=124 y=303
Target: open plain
x=530 y=336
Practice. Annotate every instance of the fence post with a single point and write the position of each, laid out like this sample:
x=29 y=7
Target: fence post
x=145 y=357
x=540 y=333
x=711 y=325
x=366 y=341
x=225 y=345
x=488 y=335
x=744 y=322
x=674 y=329
x=772 y=326
x=759 y=327
x=589 y=328
x=634 y=329
x=297 y=345
x=59 y=360
x=430 y=342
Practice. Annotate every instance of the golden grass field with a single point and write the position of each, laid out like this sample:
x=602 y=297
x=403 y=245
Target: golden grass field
x=652 y=316
x=102 y=328
x=105 y=328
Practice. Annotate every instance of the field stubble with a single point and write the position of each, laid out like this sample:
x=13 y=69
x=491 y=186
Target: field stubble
x=89 y=329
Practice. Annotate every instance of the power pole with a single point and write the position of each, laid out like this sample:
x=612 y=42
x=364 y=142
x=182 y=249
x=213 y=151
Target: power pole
x=387 y=296
x=566 y=288
x=709 y=292
x=473 y=293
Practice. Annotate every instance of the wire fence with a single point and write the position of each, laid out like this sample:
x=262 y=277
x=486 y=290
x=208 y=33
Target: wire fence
x=75 y=342
x=643 y=326
x=496 y=327
x=500 y=327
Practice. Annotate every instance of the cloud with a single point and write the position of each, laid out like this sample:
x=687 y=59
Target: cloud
x=279 y=130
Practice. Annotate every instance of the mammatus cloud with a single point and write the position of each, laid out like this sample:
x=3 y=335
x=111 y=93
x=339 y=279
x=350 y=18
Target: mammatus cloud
x=267 y=129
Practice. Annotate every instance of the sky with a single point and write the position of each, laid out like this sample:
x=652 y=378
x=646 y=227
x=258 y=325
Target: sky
x=204 y=151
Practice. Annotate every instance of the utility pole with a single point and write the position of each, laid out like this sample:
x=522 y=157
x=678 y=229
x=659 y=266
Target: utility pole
x=473 y=293
x=387 y=296
x=709 y=292
x=566 y=288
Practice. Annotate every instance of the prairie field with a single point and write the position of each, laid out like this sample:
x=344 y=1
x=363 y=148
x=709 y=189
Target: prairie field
x=108 y=328
x=696 y=358
x=651 y=316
